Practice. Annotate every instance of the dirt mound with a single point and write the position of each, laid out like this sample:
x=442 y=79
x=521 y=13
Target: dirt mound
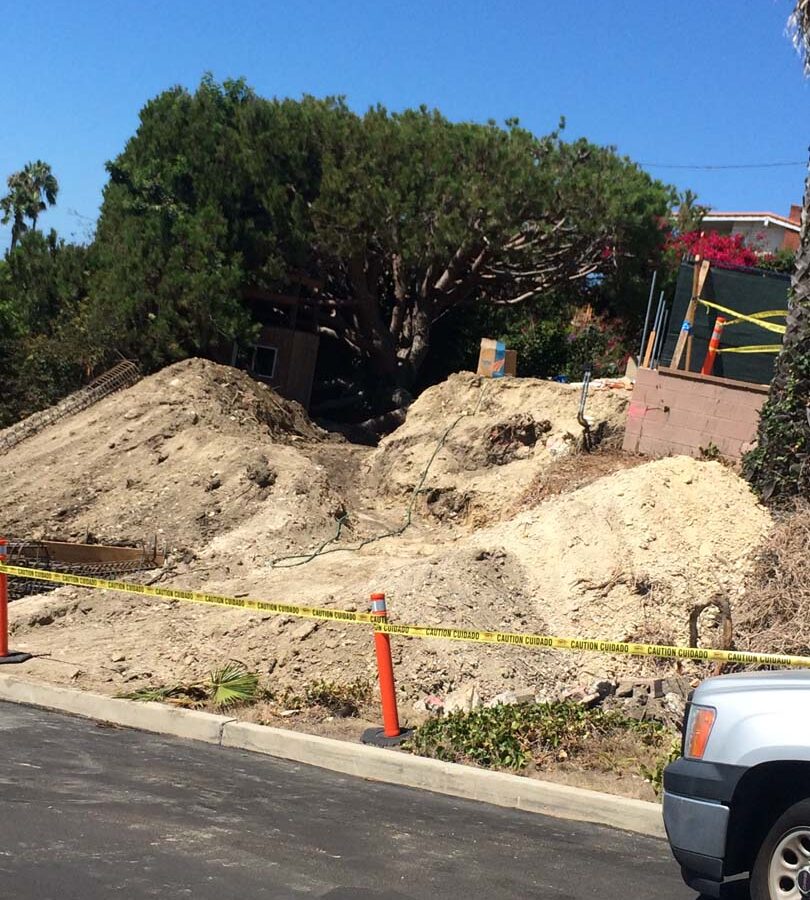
x=510 y=430
x=233 y=478
x=627 y=556
x=182 y=455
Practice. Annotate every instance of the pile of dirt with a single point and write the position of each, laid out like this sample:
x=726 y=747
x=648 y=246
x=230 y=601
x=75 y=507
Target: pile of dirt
x=628 y=556
x=234 y=479
x=183 y=455
x=506 y=431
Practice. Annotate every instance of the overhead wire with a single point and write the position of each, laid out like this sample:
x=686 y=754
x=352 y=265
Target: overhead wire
x=771 y=165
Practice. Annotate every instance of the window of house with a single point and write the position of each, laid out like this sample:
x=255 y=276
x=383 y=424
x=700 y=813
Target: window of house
x=264 y=361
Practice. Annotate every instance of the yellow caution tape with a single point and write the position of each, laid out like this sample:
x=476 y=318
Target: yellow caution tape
x=767 y=314
x=626 y=648
x=146 y=590
x=753 y=348
x=471 y=635
x=769 y=326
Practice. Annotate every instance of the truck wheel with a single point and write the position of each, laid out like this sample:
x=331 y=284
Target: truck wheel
x=782 y=867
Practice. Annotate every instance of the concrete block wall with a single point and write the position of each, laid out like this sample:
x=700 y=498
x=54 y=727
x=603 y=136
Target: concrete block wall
x=674 y=412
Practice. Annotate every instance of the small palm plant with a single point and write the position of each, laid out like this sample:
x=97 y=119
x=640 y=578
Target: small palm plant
x=232 y=684
x=229 y=685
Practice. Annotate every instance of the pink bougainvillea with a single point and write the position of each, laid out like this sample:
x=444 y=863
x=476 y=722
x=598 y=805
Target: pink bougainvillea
x=721 y=249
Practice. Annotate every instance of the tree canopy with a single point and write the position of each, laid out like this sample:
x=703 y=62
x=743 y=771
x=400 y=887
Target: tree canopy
x=379 y=224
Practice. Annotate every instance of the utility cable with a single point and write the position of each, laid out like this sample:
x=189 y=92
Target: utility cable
x=773 y=165
x=300 y=559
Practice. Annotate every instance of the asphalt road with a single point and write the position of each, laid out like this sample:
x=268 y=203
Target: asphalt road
x=89 y=812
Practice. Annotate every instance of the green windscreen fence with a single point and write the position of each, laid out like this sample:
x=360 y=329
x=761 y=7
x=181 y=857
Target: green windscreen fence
x=746 y=291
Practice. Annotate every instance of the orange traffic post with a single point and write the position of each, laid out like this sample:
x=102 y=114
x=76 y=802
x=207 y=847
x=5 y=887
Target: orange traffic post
x=714 y=346
x=5 y=655
x=390 y=734
x=3 y=599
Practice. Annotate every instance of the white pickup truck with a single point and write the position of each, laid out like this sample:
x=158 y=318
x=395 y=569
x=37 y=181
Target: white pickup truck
x=737 y=804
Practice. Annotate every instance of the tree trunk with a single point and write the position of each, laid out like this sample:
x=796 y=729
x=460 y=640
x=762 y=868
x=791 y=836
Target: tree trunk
x=379 y=342
x=418 y=335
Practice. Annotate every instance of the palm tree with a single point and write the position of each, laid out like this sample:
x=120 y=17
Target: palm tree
x=42 y=187
x=30 y=192
x=15 y=206
x=779 y=467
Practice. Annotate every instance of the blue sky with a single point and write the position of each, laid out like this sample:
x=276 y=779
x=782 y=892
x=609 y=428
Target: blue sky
x=714 y=82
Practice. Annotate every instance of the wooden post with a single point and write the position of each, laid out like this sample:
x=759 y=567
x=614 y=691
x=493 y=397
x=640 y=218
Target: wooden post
x=698 y=280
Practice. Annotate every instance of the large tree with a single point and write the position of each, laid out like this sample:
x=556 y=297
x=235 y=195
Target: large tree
x=378 y=224
x=779 y=467
x=46 y=348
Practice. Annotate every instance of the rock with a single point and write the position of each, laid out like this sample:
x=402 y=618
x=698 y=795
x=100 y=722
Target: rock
x=260 y=473
x=303 y=631
x=429 y=704
x=464 y=699
x=512 y=698
x=624 y=689
x=582 y=696
x=603 y=689
x=214 y=482
x=676 y=685
x=119 y=657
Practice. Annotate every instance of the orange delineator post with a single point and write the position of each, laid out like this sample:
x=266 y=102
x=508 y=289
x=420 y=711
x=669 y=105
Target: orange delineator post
x=714 y=346
x=6 y=655
x=3 y=600
x=385 y=668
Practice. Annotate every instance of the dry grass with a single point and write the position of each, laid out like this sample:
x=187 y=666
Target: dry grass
x=569 y=473
x=774 y=613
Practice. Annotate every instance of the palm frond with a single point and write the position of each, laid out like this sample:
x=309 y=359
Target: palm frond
x=232 y=684
x=798 y=27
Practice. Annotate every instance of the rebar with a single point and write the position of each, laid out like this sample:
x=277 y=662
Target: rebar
x=35 y=555
x=122 y=375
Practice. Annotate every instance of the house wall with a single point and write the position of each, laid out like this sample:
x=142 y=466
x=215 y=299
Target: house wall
x=682 y=412
x=295 y=364
x=757 y=235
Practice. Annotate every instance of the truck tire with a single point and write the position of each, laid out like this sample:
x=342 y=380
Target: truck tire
x=782 y=865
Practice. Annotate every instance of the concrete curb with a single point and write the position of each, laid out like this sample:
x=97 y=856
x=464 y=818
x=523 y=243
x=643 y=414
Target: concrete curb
x=157 y=717
x=370 y=763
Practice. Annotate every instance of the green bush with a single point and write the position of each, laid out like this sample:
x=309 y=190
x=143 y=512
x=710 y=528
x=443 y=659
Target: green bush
x=512 y=737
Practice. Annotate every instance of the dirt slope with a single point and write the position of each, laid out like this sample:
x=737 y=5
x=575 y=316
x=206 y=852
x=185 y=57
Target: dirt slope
x=236 y=479
x=183 y=455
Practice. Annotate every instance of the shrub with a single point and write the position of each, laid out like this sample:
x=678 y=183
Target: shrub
x=340 y=699
x=512 y=737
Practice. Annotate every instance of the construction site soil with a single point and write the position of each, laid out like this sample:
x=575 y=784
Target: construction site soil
x=235 y=481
